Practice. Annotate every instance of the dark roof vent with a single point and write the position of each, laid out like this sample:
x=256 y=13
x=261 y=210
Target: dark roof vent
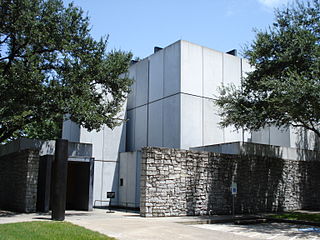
x=157 y=49
x=233 y=52
x=133 y=62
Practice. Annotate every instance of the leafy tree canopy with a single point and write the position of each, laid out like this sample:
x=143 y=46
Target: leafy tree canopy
x=50 y=66
x=284 y=87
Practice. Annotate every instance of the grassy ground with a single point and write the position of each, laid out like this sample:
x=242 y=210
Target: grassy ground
x=47 y=231
x=299 y=216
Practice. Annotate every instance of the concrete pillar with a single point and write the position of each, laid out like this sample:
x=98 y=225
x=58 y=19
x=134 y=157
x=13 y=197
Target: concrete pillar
x=59 y=178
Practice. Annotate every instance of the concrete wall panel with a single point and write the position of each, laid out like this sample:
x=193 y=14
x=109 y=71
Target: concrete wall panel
x=123 y=160
x=172 y=70
x=212 y=72
x=97 y=140
x=132 y=94
x=212 y=132
x=141 y=124
x=71 y=131
x=232 y=135
x=191 y=68
x=171 y=121
x=155 y=124
x=262 y=136
x=113 y=142
x=130 y=126
x=231 y=69
x=97 y=183
x=142 y=82
x=280 y=136
x=191 y=121
x=245 y=67
x=272 y=135
x=128 y=173
x=156 y=76
x=110 y=180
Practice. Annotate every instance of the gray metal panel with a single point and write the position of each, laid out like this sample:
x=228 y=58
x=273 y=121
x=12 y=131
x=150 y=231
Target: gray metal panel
x=140 y=136
x=123 y=139
x=142 y=82
x=155 y=124
x=109 y=180
x=97 y=184
x=303 y=138
x=212 y=132
x=191 y=68
x=97 y=140
x=128 y=172
x=191 y=121
x=172 y=69
x=138 y=178
x=132 y=181
x=123 y=160
x=156 y=76
x=212 y=72
x=231 y=69
x=71 y=131
x=246 y=68
x=232 y=135
x=111 y=142
x=130 y=126
x=262 y=136
x=171 y=121
x=272 y=135
x=279 y=136
x=132 y=94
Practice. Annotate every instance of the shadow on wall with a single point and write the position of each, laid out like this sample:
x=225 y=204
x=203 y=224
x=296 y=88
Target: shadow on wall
x=259 y=180
x=307 y=139
x=181 y=182
x=195 y=184
x=309 y=184
x=264 y=184
x=309 y=170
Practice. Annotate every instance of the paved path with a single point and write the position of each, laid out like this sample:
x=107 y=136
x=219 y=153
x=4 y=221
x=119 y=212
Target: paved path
x=268 y=231
x=130 y=226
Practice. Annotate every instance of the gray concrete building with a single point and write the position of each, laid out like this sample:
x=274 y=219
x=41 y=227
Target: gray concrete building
x=170 y=105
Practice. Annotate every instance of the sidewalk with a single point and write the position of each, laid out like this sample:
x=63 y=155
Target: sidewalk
x=130 y=226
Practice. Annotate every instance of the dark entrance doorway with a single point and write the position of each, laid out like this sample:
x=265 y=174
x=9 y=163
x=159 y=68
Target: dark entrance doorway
x=80 y=184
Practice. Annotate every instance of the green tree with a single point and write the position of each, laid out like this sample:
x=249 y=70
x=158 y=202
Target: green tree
x=284 y=87
x=50 y=66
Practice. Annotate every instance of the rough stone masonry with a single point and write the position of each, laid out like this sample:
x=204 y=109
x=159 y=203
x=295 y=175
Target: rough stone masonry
x=180 y=182
x=18 y=181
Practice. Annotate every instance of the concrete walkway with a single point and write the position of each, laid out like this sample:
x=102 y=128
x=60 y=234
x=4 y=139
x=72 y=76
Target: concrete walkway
x=130 y=226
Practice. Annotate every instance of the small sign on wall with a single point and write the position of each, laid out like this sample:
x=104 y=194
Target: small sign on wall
x=234 y=188
x=111 y=194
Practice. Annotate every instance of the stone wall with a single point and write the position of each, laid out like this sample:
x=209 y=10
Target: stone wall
x=180 y=182
x=18 y=181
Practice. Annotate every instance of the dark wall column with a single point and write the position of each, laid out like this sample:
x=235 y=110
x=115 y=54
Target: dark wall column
x=44 y=183
x=91 y=177
x=59 y=178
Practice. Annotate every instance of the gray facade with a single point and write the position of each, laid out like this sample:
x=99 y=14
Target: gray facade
x=171 y=100
x=171 y=106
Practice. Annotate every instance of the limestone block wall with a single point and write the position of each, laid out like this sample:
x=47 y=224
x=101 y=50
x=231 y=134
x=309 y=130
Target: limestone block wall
x=181 y=182
x=18 y=181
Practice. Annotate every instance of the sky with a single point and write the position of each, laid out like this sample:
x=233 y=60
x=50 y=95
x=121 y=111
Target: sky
x=140 y=25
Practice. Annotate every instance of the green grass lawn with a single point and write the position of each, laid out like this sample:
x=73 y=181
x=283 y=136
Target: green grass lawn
x=47 y=231
x=298 y=216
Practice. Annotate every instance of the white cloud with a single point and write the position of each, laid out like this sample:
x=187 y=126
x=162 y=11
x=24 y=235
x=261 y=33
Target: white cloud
x=273 y=3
